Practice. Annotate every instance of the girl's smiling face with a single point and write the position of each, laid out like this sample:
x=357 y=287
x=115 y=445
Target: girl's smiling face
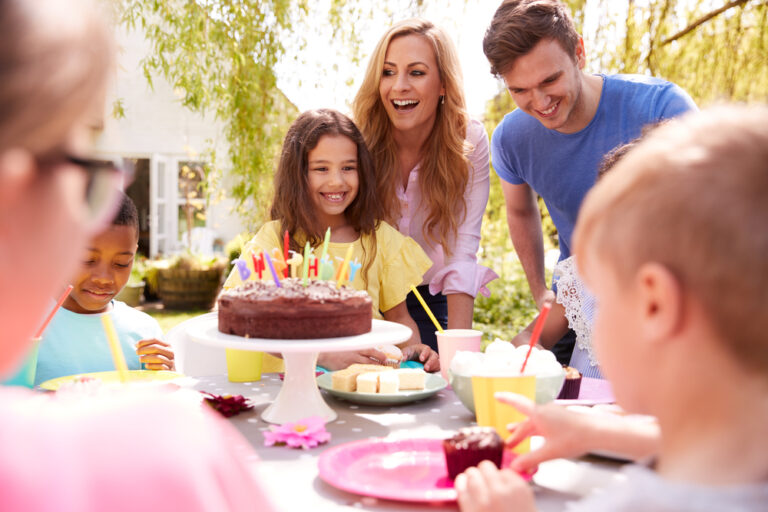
x=332 y=178
x=104 y=271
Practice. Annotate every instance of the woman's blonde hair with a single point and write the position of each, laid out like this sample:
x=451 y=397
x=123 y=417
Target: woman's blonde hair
x=54 y=59
x=443 y=171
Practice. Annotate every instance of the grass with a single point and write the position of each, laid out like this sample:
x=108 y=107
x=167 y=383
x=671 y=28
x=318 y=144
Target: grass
x=168 y=318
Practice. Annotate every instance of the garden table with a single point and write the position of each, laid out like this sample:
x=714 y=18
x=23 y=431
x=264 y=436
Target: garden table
x=291 y=478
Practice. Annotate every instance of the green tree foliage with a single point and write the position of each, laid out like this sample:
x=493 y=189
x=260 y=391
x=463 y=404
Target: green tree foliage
x=221 y=55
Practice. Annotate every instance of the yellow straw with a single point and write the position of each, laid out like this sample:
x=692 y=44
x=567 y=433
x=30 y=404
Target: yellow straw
x=426 y=308
x=114 y=347
x=343 y=269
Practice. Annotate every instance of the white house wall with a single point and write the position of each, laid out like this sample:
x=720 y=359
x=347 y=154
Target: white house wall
x=156 y=123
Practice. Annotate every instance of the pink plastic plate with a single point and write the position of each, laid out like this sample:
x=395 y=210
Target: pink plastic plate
x=404 y=470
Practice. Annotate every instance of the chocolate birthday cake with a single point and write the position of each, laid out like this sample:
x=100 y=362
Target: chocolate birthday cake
x=260 y=309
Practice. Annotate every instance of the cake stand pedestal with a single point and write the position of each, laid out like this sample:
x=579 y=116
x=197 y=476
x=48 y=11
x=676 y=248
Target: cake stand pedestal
x=299 y=396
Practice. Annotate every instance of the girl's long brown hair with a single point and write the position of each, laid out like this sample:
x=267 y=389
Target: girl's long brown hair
x=443 y=171
x=292 y=205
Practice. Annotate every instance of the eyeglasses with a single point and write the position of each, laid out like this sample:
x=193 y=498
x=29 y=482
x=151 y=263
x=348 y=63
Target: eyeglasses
x=104 y=180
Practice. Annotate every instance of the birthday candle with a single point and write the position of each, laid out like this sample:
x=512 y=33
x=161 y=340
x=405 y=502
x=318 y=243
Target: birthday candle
x=279 y=264
x=326 y=269
x=354 y=266
x=327 y=239
x=295 y=263
x=313 y=266
x=242 y=267
x=342 y=271
x=258 y=263
x=305 y=268
x=272 y=270
x=286 y=243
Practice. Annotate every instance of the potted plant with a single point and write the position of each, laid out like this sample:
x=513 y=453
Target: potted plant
x=132 y=291
x=190 y=281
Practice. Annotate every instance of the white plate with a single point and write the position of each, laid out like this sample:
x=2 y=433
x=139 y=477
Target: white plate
x=205 y=329
x=434 y=383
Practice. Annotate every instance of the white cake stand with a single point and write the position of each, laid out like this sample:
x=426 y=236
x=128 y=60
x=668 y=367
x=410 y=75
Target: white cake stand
x=299 y=396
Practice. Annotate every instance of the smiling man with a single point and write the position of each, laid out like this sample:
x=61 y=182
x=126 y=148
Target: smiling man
x=565 y=122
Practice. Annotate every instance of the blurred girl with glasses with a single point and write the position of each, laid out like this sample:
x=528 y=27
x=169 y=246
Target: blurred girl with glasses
x=120 y=449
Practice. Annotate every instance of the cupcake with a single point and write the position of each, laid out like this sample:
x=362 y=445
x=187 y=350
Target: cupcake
x=393 y=355
x=572 y=384
x=469 y=447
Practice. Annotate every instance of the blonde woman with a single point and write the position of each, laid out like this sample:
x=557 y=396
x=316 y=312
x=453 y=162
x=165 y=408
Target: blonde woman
x=432 y=164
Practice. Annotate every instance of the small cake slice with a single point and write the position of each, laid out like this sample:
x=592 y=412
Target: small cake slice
x=346 y=379
x=389 y=382
x=411 y=378
x=368 y=382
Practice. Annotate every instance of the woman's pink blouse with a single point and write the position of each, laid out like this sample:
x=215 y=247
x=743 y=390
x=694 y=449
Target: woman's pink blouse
x=460 y=273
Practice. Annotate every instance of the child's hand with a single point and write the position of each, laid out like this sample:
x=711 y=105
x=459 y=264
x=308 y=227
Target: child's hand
x=488 y=489
x=424 y=355
x=340 y=360
x=566 y=432
x=155 y=354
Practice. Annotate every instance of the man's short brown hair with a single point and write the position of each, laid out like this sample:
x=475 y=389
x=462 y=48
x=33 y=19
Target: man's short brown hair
x=519 y=25
x=693 y=197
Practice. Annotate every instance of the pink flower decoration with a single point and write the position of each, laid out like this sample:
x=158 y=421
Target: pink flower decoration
x=306 y=433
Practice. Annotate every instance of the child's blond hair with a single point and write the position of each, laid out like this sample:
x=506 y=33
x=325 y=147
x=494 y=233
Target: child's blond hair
x=693 y=196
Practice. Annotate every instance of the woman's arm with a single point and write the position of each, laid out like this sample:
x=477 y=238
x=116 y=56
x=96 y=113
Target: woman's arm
x=460 y=310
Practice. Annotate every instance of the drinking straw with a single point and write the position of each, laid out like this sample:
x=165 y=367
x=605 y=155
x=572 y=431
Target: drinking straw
x=426 y=308
x=537 y=328
x=343 y=269
x=114 y=346
x=272 y=269
x=53 y=311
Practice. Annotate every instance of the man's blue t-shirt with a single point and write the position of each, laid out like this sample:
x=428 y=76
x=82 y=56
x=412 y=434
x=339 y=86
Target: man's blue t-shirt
x=562 y=167
x=76 y=343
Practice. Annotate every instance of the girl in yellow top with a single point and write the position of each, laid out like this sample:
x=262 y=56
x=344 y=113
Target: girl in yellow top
x=325 y=178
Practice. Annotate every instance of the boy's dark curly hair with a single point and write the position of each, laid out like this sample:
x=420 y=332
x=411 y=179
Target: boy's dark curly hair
x=127 y=215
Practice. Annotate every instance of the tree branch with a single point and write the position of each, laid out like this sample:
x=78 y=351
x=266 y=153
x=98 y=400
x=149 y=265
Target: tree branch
x=702 y=20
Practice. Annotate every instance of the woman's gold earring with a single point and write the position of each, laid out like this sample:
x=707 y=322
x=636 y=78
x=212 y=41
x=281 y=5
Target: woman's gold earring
x=442 y=100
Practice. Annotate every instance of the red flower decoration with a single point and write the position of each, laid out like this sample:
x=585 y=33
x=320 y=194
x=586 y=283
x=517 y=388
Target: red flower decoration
x=228 y=405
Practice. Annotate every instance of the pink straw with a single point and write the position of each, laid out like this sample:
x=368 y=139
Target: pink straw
x=537 y=331
x=53 y=311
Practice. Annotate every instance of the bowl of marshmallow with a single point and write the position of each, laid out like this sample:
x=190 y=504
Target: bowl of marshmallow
x=502 y=359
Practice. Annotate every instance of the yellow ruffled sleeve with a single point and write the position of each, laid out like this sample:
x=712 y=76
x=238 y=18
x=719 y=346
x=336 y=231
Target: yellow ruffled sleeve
x=266 y=239
x=405 y=264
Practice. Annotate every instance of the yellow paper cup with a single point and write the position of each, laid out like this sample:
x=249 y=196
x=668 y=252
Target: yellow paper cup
x=243 y=365
x=492 y=413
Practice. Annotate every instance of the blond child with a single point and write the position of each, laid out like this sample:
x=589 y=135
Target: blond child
x=673 y=244
x=325 y=179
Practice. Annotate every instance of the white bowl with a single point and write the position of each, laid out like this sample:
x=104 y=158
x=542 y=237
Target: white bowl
x=547 y=388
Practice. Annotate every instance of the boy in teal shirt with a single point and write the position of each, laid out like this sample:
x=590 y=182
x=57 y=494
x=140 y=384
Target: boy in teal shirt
x=75 y=341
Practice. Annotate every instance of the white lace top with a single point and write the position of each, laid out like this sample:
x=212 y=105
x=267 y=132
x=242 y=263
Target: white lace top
x=580 y=307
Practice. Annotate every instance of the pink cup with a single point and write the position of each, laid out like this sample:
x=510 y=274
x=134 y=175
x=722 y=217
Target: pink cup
x=451 y=340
